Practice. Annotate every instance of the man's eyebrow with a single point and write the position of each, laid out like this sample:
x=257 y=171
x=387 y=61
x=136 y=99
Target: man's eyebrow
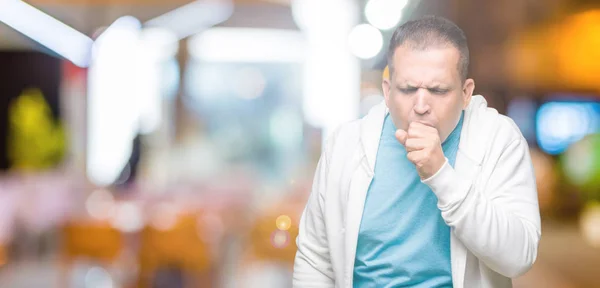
x=439 y=87
x=406 y=87
x=432 y=87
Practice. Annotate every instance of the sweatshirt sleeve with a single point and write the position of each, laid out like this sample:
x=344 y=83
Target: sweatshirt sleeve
x=500 y=222
x=312 y=265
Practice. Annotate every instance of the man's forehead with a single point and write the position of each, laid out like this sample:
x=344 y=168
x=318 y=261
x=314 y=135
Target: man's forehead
x=423 y=84
x=448 y=52
x=425 y=75
x=432 y=65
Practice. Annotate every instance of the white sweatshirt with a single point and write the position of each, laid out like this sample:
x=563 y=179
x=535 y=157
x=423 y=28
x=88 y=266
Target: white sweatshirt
x=489 y=200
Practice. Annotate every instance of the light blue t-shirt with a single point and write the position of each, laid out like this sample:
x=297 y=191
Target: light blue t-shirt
x=403 y=240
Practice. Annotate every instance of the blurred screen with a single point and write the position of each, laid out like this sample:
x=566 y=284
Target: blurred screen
x=253 y=112
x=522 y=111
x=561 y=123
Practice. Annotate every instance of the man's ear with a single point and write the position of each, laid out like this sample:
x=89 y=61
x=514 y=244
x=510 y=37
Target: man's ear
x=385 y=86
x=467 y=92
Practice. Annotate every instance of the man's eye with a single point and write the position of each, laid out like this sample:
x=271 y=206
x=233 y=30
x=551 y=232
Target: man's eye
x=408 y=90
x=438 y=91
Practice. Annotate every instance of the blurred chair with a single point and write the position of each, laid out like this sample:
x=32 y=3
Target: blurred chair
x=270 y=248
x=3 y=255
x=93 y=240
x=179 y=246
x=273 y=232
x=269 y=243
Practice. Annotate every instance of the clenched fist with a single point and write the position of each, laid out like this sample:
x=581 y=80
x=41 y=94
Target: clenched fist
x=423 y=147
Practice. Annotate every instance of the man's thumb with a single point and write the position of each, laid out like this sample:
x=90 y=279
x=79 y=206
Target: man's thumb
x=401 y=135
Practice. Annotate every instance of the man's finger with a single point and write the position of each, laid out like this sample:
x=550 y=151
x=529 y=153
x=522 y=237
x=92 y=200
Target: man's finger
x=420 y=130
x=415 y=144
x=415 y=156
x=401 y=135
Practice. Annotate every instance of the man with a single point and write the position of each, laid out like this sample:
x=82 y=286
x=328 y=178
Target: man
x=431 y=189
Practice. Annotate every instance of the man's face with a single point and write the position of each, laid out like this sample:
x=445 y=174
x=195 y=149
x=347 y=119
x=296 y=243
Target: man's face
x=426 y=87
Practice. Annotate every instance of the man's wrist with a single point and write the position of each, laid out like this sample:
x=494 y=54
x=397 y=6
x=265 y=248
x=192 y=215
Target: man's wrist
x=436 y=173
x=443 y=184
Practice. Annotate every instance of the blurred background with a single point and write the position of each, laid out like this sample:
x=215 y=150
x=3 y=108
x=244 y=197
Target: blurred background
x=149 y=143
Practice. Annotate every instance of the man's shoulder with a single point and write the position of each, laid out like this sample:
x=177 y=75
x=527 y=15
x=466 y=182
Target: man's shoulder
x=509 y=129
x=503 y=131
x=350 y=132
x=500 y=127
x=345 y=134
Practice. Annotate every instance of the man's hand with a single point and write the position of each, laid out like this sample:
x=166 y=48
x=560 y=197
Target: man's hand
x=423 y=147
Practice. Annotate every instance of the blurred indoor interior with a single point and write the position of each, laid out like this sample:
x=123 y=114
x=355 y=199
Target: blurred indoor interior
x=155 y=143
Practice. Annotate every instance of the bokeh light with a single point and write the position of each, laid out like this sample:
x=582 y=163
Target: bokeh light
x=384 y=14
x=280 y=239
x=365 y=41
x=128 y=217
x=100 y=204
x=283 y=222
x=559 y=124
x=590 y=224
x=581 y=164
x=97 y=277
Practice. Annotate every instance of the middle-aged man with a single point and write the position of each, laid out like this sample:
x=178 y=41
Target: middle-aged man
x=431 y=189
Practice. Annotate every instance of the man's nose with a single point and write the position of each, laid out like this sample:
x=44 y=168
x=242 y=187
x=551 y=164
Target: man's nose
x=422 y=102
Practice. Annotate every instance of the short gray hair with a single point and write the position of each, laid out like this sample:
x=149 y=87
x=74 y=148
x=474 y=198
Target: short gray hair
x=428 y=32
